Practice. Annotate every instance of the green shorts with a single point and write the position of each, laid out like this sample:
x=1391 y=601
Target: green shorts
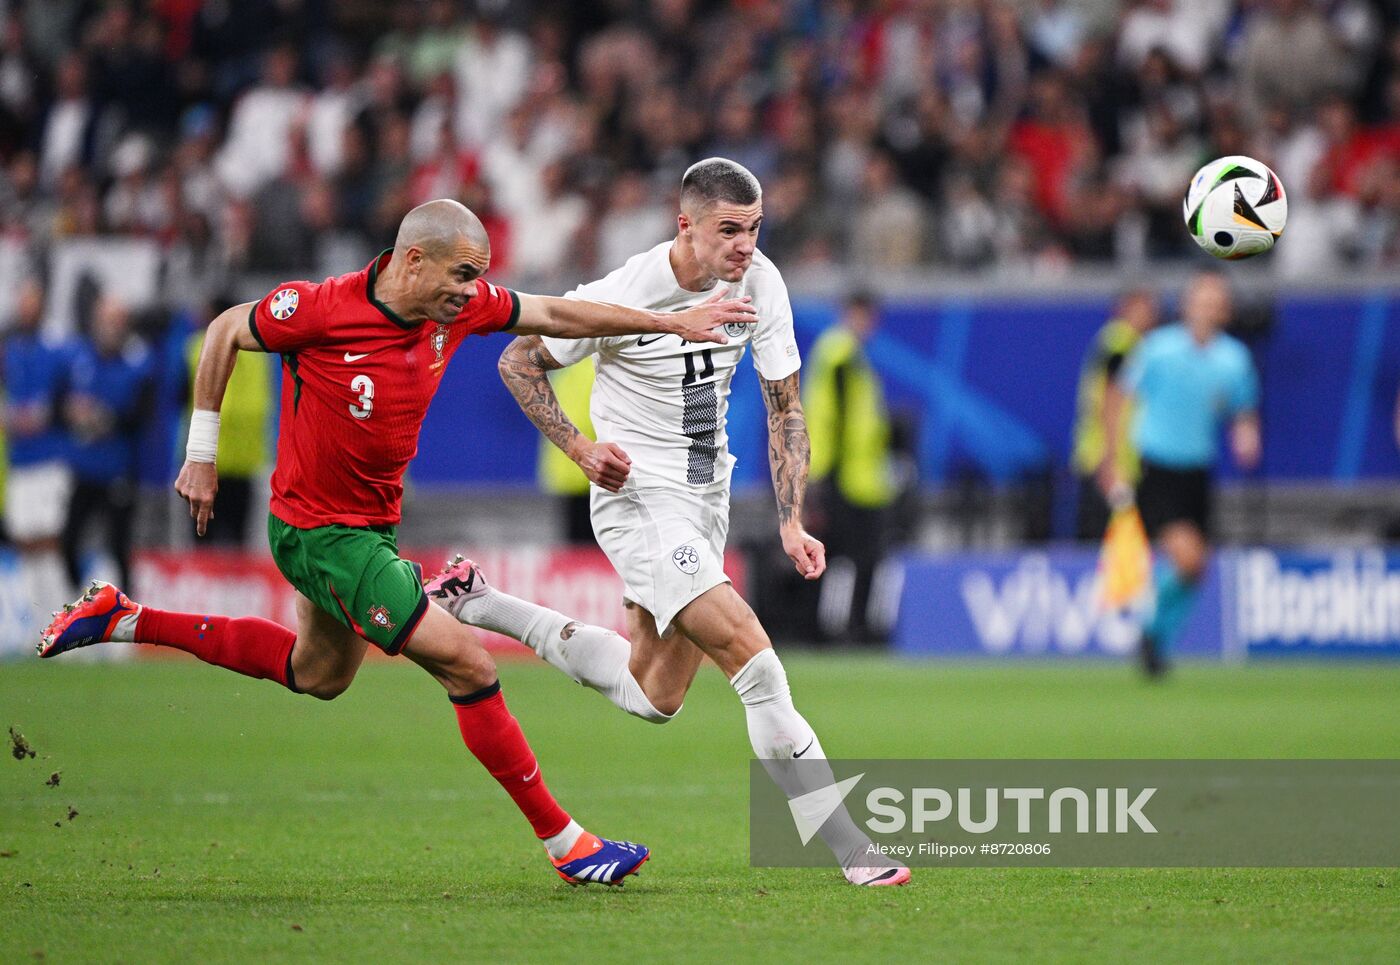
x=355 y=574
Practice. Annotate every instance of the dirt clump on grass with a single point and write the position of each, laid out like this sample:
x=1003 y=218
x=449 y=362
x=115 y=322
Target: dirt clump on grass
x=19 y=747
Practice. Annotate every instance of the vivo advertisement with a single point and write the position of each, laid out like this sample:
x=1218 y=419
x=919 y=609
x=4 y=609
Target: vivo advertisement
x=1252 y=603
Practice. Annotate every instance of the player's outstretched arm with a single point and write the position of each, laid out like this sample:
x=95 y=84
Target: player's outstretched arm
x=198 y=481
x=579 y=318
x=789 y=454
x=524 y=368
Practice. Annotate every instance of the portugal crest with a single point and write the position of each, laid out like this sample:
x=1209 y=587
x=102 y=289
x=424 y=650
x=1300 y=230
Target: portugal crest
x=439 y=340
x=284 y=304
x=379 y=617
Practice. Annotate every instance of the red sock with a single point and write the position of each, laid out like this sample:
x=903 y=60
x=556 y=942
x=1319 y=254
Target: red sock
x=492 y=733
x=250 y=645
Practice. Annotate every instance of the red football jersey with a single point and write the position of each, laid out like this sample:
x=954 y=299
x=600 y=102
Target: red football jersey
x=357 y=381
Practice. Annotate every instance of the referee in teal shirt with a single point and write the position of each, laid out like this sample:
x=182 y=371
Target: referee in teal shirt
x=1188 y=381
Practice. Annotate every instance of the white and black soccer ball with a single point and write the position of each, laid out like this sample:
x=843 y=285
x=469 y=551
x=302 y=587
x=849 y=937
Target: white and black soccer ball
x=1235 y=207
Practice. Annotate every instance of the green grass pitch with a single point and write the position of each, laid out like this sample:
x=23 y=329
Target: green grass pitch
x=222 y=819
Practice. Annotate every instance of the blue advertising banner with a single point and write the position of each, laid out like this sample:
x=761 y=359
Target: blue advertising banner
x=1309 y=603
x=990 y=383
x=1253 y=602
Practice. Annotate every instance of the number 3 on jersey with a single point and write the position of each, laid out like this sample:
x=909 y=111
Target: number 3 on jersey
x=364 y=385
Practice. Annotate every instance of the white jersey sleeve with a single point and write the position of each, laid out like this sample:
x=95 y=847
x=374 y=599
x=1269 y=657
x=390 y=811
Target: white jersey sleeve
x=775 y=353
x=567 y=351
x=664 y=400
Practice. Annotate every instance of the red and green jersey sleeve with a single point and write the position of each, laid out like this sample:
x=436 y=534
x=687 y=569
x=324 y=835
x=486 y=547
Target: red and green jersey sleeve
x=493 y=309
x=289 y=318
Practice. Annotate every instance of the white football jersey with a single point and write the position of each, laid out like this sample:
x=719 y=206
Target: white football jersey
x=663 y=400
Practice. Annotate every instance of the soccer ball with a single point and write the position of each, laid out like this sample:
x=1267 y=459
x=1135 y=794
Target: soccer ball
x=1235 y=207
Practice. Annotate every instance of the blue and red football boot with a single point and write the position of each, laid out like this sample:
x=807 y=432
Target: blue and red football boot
x=596 y=860
x=102 y=613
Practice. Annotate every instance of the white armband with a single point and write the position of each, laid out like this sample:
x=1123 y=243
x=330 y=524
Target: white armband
x=203 y=443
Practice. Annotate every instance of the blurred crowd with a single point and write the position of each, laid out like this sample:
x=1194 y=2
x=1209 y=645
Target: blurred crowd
x=291 y=135
x=72 y=414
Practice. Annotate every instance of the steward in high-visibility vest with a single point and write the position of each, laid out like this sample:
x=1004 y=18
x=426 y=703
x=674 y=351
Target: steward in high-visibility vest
x=1110 y=348
x=847 y=420
x=1102 y=402
x=853 y=467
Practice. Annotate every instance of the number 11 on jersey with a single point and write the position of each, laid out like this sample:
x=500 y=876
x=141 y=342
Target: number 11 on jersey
x=691 y=376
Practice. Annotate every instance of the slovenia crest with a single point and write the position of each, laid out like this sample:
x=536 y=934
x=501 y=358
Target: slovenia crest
x=687 y=559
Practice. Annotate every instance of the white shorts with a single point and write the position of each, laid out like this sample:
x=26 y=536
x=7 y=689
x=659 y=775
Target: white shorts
x=666 y=544
x=36 y=500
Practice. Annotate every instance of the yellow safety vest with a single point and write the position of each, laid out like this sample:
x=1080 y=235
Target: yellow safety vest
x=243 y=417
x=848 y=422
x=1090 y=444
x=573 y=386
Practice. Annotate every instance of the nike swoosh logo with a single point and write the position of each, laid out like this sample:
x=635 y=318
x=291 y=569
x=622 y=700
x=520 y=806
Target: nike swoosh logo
x=648 y=341
x=356 y=358
x=805 y=749
x=532 y=773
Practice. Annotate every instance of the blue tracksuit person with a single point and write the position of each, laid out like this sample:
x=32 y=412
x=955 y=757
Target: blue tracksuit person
x=110 y=393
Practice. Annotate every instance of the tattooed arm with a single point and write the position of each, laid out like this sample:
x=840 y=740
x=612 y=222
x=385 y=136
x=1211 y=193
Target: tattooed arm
x=525 y=366
x=789 y=452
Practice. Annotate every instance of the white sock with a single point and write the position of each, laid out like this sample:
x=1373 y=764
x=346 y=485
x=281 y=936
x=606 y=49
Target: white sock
x=531 y=624
x=781 y=737
x=125 y=629
x=590 y=655
x=562 y=843
x=600 y=659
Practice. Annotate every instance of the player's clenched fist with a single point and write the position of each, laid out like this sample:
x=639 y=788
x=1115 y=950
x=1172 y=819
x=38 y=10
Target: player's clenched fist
x=705 y=322
x=604 y=463
x=197 y=484
x=807 y=552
